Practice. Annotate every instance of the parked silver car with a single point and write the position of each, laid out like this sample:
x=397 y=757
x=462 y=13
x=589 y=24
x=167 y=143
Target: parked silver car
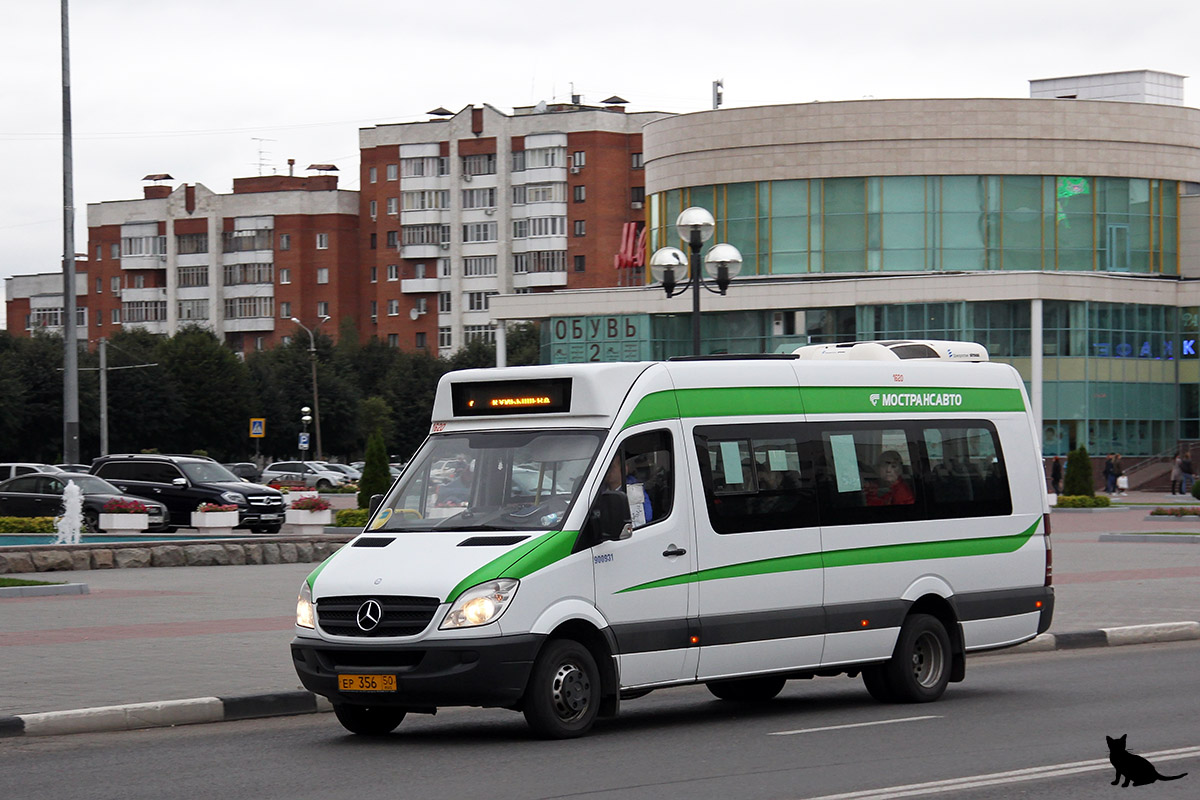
x=314 y=474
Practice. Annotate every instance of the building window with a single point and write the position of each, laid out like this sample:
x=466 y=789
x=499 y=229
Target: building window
x=285 y=241
x=579 y=193
x=285 y=275
x=249 y=307
x=580 y=227
x=444 y=269
x=445 y=303
x=285 y=310
x=485 y=333
x=420 y=340
x=322 y=274
x=518 y=161
x=322 y=241
x=420 y=200
x=147 y=310
x=393 y=307
x=419 y=270
x=478 y=301
x=191 y=276
x=479 y=232
x=99 y=252
x=373 y=209
x=115 y=283
x=374 y=274
x=484 y=164
x=546 y=192
x=373 y=174
x=116 y=316
x=143 y=245
x=425 y=234
x=187 y=244
x=422 y=305
x=635 y=161
x=425 y=166
x=520 y=228
x=393 y=171
x=637 y=194
x=578 y=158
x=240 y=274
x=580 y=263
x=479 y=198
x=99 y=285
x=374 y=240
x=393 y=340
x=322 y=308
x=139 y=281
x=393 y=239
x=114 y=252
x=374 y=311
x=545 y=157
x=247 y=240
x=393 y=271
x=444 y=338
x=548 y=226
x=475 y=266
x=393 y=205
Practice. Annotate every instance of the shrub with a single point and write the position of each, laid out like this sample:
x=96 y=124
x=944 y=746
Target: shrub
x=119 y=506
x=1196 y=490
x=310 y=504
x=1083 y=501
x=1176 y=511
x=352 y=518
x=376 y=477
x=1078 y=480
x=27 y=525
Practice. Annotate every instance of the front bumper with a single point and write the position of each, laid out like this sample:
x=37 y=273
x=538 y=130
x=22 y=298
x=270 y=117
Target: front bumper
x=479 y=672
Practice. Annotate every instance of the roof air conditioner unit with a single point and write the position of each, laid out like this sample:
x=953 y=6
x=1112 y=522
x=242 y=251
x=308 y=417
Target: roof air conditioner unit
x=575 y=170
x=635 y=204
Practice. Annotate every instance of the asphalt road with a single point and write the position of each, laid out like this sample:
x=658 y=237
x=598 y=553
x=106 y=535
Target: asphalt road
x=1023 y=714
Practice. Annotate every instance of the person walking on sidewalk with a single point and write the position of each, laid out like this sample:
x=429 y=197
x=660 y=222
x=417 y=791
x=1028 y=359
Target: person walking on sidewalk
x=1177 y=475
x=1056 y=475
x=1119 y=478
x=1185 y=466
x=1110 y=475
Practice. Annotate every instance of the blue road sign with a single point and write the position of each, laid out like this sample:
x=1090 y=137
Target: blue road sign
x=258 y=427
x=304 y=441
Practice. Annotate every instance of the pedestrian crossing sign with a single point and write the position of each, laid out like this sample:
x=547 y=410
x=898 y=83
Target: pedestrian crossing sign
x=258 y=427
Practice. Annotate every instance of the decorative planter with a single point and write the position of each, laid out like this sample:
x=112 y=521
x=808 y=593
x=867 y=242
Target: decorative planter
x=293 y=496
x=124 y=523
x=215 y=523
x=309 y=522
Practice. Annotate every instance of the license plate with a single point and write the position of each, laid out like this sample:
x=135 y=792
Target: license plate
x=367 y=683
x=268 y=517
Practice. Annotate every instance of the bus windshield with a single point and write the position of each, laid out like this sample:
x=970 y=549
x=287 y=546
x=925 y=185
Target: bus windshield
x=495 y=481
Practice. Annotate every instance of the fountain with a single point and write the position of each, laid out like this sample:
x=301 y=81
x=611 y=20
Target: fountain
x=70 y=523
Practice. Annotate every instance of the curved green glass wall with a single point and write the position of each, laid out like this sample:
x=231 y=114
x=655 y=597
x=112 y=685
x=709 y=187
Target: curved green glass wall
x=937 y=223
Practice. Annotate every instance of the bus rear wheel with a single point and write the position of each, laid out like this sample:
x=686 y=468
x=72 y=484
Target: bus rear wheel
x=919 y=668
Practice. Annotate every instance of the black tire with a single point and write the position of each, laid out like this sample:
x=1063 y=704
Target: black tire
x=91 y=521
x=323 y=484
x=875 y=679
x=272 y=529
x=369 y=720
x=747 y=690
x=920 y=665
x=563 y=695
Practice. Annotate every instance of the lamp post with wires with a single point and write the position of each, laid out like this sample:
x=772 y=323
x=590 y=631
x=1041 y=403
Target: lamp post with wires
x=312 y=357
x=723 y=262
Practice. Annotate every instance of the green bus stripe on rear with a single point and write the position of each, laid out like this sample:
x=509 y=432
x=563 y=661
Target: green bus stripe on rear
x=520 y=561
x=884 y=554
x=780 y=400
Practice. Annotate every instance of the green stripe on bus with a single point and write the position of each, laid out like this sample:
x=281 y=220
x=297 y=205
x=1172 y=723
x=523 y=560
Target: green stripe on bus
x=530 y=557
x=853 y=557
x=779 y=400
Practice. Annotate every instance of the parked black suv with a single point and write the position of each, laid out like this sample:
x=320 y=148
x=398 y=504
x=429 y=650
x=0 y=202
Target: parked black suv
x=183 y=482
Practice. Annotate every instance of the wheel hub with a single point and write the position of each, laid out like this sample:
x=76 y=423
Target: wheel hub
x=927 y=660
x=571 y=690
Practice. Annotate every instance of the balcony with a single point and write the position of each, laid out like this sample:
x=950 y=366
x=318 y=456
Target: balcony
x=539 y=280
x=424 y=285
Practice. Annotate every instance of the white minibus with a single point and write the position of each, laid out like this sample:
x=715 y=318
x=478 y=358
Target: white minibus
x=572 y=536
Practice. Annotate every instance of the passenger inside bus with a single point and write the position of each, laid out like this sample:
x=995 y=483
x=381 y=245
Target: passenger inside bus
x=890 y=489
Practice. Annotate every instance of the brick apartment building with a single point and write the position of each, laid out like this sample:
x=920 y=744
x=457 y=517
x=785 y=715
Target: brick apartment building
x=464 y=206
x=451 y=211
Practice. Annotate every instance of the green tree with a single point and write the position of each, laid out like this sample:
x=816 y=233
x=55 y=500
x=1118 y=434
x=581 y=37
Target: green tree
x=212 y=391
x=375 y=414
x=376 y=478
x=524 y=344
x=1078 y=480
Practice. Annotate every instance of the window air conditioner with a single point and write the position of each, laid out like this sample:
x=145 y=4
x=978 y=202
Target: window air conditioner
x=467 y=177
x=575 y=170
x=445 y=245
x=635 y=204
x=489 y=211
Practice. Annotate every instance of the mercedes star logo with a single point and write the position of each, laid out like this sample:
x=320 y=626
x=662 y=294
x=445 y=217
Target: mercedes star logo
x=369 y=615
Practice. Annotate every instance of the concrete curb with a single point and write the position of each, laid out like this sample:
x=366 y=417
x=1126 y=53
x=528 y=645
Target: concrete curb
x=166 y=714
x=1175 y=538
x=44 y=591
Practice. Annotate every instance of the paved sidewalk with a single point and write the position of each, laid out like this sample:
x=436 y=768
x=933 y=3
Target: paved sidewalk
x=169 y=634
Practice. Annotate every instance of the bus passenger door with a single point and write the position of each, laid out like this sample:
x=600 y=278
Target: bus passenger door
x=643 y=582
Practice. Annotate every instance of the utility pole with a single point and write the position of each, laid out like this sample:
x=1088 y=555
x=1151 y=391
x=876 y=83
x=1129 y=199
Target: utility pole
x=70 y=335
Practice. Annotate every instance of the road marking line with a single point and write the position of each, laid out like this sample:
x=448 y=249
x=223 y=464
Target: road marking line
x=997 y=778
x=854 y=725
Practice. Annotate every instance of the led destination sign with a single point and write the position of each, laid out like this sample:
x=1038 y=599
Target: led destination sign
x=546 y=396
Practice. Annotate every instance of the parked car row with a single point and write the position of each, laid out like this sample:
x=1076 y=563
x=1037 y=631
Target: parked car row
x=40 y=494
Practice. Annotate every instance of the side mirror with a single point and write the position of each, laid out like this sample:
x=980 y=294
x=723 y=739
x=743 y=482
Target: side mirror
x=180 y=482
x=376 y=500
x=611 y=513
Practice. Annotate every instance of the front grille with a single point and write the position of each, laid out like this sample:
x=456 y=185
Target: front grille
x=265 y=500
x=402 y=616
x=347 y=660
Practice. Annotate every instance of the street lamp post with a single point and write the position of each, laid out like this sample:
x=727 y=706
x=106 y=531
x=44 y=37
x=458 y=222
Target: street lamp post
x=722 y=263
x=312 y=357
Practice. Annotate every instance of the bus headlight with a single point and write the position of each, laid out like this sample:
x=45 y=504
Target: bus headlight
x=480 y=604
x=306 y=616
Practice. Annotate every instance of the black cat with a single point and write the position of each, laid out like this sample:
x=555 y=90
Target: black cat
x=1134 y=768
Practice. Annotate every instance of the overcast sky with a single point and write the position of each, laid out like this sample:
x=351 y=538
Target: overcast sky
x=212 y=91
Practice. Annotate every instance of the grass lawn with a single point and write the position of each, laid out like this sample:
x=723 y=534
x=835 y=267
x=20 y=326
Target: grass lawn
x=19 y=582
